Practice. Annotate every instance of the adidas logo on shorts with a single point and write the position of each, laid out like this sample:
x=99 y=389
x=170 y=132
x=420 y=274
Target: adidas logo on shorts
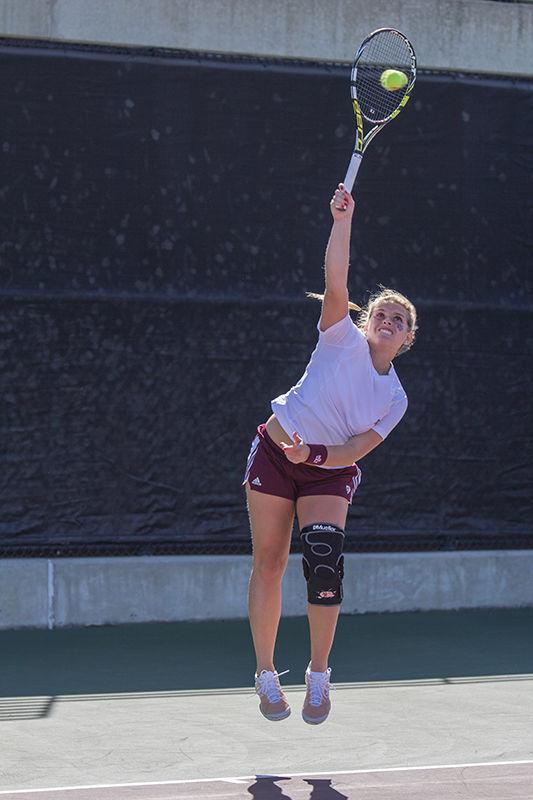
x=256 y=482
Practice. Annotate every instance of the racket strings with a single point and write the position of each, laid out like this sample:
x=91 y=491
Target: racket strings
x=385 y=50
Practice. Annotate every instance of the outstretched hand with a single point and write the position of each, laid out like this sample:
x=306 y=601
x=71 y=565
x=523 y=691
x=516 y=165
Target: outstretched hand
x=342 y=204
x=297 y=452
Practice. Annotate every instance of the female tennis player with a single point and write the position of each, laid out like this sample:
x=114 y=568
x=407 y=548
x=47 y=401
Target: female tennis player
x=303 y=461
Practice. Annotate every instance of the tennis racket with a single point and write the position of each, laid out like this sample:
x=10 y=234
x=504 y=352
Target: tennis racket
x=383 y=50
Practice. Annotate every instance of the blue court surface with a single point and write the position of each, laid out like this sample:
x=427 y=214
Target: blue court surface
x=439 y=706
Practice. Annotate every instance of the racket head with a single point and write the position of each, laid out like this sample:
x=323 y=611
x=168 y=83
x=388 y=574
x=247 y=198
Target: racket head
x=385 y=48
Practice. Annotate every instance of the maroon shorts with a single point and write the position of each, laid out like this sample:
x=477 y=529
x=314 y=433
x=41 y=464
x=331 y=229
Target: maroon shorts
x=269 y=471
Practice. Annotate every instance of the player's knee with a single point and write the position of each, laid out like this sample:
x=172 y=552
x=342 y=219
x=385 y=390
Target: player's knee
x=323 y=562
x=269 y=566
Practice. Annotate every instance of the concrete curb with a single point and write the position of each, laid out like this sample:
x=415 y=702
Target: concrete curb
x=43 y=593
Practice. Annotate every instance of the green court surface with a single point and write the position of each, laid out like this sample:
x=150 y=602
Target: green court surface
x=425 y=704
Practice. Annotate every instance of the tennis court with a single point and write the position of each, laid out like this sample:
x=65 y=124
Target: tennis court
x=439 y=706
x=469 y=781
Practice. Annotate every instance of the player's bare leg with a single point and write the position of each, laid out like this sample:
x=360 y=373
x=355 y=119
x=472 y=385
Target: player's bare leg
x=271 y=520
x=322 y=626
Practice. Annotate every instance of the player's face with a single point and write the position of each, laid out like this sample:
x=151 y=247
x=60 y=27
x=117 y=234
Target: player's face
x=388 y=326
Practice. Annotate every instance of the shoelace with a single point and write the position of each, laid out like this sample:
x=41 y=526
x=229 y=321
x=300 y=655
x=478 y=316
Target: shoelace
x=268 y=683
x=318 y=683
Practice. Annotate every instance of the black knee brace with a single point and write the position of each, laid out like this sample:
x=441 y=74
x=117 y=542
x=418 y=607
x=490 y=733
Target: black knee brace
x=323 y=563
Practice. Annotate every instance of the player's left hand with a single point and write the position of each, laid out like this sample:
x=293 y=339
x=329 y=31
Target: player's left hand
x=297 y=452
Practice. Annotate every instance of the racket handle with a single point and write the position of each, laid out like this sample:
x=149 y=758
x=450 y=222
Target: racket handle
x=353 y=168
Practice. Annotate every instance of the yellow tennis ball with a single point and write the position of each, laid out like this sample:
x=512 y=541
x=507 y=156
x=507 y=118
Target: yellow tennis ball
x=393 y=79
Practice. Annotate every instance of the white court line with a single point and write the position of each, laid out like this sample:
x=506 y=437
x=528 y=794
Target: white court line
x=276 y=774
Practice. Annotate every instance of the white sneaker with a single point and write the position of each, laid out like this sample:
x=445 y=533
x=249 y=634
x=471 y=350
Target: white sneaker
x=317 y=704
x=273 y=704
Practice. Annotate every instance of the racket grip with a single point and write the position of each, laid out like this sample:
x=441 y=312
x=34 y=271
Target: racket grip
x=353 y=168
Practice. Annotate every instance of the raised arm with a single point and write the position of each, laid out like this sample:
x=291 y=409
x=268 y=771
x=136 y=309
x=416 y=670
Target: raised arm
x=335 y=303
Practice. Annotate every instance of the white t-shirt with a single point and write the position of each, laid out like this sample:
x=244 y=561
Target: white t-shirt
x=340 y=393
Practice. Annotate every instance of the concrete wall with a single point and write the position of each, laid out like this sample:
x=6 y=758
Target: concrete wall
x=101 y=591
x=465 y=35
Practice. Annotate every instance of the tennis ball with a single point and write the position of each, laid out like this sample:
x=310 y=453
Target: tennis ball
x=393 y=79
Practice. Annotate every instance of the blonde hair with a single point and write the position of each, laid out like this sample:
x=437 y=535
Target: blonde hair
x=383 y=295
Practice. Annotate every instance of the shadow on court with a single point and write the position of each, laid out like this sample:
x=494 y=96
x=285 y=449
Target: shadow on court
x=266 y=788
x=218 y=655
